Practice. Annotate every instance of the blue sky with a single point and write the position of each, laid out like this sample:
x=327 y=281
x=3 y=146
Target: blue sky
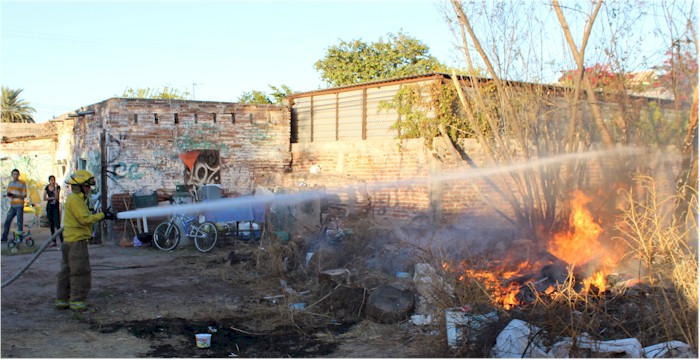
x=68 y=54
x=65 y=55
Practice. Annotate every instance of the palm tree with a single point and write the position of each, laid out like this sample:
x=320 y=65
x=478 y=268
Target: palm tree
x=14 y=109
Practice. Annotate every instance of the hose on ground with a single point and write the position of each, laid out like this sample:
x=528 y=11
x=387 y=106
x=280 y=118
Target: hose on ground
x=36 y=256
x=97 y=267
x=43 y=247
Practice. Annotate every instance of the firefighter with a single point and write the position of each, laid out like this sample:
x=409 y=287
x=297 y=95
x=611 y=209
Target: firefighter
x=75 y=277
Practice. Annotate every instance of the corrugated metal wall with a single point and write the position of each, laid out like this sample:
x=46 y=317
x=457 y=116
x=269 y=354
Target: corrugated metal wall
x=353 y=114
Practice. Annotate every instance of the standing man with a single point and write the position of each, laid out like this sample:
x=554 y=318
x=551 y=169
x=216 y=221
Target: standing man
x=16 y=191
x=75 y=277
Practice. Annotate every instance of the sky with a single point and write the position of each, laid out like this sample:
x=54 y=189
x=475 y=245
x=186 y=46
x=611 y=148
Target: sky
x=68 y=54
x=65 y=55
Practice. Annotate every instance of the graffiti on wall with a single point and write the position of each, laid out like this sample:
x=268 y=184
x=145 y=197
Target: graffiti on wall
x=120 y=170
x=201 y=167
x=261 y=135
x=206 y=137
x=34 y=171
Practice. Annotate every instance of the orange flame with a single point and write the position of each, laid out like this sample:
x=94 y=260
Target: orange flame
x=579 y=246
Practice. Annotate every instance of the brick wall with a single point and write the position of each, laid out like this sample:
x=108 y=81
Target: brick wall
x=239 y=145
x=404 y=180
x=30 y=148
x=395 y=180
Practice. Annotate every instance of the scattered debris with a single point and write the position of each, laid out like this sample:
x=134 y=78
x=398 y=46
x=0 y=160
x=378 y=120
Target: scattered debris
x=297 y=306
x=426 y=281
x=334 y=276
x=520 y=339
x=388 y=304
x=461 y=321
x=421 y=320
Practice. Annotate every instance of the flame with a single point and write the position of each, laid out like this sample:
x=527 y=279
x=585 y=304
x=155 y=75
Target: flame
x=597 y=280
x=579 y=246
x=502 y=292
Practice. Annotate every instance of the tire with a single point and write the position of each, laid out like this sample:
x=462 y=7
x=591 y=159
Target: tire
x=29 y=241
x=166 y=236
x=11 y=244
x=206 y=237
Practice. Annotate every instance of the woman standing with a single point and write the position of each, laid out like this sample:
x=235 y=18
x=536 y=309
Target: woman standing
x=52 y=193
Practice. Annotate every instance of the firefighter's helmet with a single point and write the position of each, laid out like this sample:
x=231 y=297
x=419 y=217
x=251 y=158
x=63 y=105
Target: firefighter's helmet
x=81 y=177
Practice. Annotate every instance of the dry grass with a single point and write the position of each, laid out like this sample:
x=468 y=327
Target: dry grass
x=662 y=307
x=667 y=251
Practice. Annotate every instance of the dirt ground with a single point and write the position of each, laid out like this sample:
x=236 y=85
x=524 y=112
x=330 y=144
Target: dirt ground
x=149 y=303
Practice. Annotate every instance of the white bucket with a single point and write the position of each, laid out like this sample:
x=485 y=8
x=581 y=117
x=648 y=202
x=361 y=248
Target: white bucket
x=457 y=322
x=203 y=340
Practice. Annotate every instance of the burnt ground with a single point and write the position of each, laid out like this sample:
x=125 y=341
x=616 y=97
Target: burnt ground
x=149 y=303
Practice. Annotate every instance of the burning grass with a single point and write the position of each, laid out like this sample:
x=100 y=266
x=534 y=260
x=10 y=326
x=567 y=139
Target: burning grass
x=586 y=285
x=581 y=281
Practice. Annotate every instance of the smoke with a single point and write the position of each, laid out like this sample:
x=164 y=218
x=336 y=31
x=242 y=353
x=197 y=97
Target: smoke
x=301 y=197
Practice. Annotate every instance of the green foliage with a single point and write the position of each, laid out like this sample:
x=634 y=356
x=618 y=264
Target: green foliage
x=357 y=62
x=280 y=94
x=254 y=97
x=423 y=107
x=277 y=96
x=14 y=109
x=661 y=128
x=148 y=93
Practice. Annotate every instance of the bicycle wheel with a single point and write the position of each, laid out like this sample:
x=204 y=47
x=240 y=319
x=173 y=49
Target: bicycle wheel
x=29 y=241
x=166 y=236
x=206 y=236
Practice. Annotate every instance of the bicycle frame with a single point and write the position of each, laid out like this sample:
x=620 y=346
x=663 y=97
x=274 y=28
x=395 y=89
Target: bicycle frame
x=186 y=222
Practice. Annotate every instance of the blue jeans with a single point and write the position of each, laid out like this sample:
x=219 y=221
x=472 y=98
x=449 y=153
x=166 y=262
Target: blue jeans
x=14 y=211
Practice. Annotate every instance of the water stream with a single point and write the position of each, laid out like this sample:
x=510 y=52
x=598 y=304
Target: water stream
x=304 y=196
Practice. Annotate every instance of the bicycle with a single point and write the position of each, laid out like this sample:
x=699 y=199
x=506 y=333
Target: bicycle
x=166 y=235
x=19 y=236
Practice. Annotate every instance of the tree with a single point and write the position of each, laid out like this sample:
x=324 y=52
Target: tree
x=256 y=97
x=357 y=62
x=277 y=96
x=529 y=121
x=148 y=93
x=280 y=94
x=679 y=72
x=14 y=109
x=601 y=76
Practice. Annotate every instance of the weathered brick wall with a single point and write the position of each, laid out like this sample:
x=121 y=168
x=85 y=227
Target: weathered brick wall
x=23 y=144
x=30 y=148
x=394 y=180
x=145 y=138
x=403 y=180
